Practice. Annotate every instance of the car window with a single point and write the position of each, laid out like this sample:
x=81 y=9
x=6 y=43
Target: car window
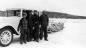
x=3 y=13
x=13 y=13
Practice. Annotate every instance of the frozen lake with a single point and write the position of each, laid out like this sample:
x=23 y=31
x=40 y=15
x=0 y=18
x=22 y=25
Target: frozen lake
x=72 y=36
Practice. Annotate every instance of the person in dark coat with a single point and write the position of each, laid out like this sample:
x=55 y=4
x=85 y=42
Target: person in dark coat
x=36 y=26
x=31 y=24
x=44 y=20
x=23 y=29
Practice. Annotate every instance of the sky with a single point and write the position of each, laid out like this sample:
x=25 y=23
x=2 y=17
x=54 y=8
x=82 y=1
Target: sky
x=75 y=7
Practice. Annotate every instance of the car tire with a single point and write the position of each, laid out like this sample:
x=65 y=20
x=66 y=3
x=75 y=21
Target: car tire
x=6 y=37
x=49 y=30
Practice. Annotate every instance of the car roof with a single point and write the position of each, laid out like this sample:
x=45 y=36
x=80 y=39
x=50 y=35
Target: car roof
x=14 y=9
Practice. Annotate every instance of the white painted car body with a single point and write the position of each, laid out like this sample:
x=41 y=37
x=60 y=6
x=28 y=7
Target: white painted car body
x=12 y=21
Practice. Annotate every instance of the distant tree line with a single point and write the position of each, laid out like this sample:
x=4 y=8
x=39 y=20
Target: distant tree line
x=63 y=15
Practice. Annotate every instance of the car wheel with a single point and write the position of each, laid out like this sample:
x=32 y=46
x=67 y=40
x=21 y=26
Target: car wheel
x=49 y=30
x=6 y=37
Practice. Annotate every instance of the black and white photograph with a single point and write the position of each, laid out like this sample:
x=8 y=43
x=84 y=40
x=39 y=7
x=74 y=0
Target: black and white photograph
x=42 y=23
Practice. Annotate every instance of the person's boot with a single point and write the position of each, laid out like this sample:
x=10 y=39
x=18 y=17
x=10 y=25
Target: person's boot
x=25 y=42
x=41 y=38
x=21 y=42
x=46 y=39
x=28 y=40
x=37 y=40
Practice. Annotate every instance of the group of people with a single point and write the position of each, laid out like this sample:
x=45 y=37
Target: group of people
x=33 y=27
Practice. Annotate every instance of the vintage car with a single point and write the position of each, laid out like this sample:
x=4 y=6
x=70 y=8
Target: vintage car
x=55 y=25
x=9 y=21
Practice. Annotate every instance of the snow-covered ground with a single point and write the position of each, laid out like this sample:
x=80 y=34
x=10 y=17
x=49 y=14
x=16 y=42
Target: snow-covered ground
x=72 y=36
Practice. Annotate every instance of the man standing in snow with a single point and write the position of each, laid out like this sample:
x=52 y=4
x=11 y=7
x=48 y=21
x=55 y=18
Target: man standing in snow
x=36 y=26
x=31 y=24
x=23 y=28
x=44 y=23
